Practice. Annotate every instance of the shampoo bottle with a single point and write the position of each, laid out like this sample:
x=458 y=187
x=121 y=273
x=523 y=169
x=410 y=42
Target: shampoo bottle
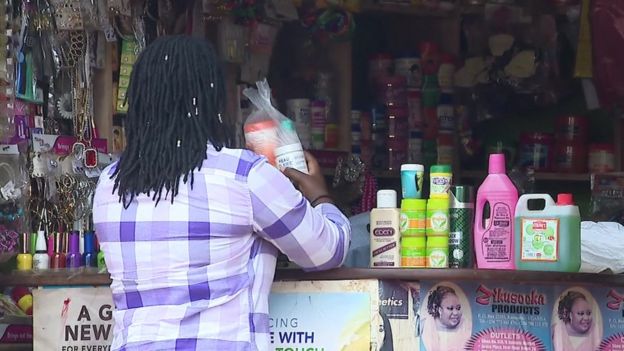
x=494 y=236
x=41 y=259
x=384 y=231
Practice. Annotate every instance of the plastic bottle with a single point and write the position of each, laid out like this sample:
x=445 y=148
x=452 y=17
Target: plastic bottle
x=90 y=255
x=441 y=178
x=494 y=237
x=58 y=259
x=73 y=255
x=384 y=231
x=41 y=259
x=548 y=239
x=461 y=215
x=24 y=258
x=289 y=154
x=101 y=262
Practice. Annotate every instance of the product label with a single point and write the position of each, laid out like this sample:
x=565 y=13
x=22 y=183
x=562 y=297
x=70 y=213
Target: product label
x=438 y=223
x=440 y=185
x=437 y=258
x=384 y=246
x=496 y=244
x=460 y=238
x=539 y=240
x=446 y=118
x=295 y=159
x=413 y=223
x=413 y=257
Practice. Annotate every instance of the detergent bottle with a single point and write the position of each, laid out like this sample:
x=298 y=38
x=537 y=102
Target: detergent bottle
x=494 y=235
x=548 y=239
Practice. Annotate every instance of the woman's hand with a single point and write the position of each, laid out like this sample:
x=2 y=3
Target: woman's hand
x=311 y=185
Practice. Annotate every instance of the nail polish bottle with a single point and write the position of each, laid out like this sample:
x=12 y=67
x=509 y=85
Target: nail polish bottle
x=58 y=260
x=101 y=263
x=50 y=240
x=90 y=254
x=24 y=258
x=41 y=259
x=73 y=254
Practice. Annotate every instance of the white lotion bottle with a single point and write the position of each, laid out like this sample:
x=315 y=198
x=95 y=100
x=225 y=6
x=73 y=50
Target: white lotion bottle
x=385 y=237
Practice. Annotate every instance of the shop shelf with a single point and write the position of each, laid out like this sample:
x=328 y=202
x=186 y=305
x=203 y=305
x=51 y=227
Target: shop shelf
x=455 y=275
x=567 y=177
x=71 y=278
x=57 y=278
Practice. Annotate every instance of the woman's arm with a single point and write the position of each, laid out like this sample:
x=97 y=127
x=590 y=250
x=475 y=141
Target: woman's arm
x=315 y=238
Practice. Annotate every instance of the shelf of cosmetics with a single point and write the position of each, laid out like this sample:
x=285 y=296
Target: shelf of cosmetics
x=454 y=227
x=72 y=250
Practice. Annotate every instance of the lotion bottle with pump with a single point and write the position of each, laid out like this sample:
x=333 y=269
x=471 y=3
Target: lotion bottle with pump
x=385 y=235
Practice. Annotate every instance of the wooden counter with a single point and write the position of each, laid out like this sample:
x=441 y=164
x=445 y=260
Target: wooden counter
x=67 y=277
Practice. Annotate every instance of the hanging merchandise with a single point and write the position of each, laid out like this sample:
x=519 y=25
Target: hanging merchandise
x=128 y=57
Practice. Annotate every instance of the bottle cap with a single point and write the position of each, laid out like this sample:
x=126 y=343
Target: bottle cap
x=42 y=245
x=89 y=242
x=441 y=169
x=74 y=242
x=386 y=199
x=288 y=125
x=497 y=164
x=418 y=241
x=565 y=200
x=414 y=204
x=412 y=167
x=462 y=196
x=25 y=243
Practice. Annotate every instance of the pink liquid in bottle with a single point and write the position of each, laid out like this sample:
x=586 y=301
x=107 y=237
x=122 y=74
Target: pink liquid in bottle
x=494 y=236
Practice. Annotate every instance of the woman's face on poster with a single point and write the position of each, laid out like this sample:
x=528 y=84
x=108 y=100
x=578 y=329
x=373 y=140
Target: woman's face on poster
x=581 y=316
x=450 y=311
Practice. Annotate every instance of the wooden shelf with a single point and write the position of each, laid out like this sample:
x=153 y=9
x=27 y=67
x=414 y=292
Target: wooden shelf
x=76 y=278
x=454 y=275
x=566 y=177
x=56 y=278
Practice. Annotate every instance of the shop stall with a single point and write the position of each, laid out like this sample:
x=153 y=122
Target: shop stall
x=475 y=145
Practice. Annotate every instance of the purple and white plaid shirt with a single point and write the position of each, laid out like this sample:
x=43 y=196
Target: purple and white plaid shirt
x=196 y=274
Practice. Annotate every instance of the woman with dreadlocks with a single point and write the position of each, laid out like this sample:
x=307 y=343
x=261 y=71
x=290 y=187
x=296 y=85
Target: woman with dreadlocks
x=191 y=228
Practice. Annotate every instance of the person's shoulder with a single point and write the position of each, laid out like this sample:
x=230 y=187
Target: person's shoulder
x=237 y=161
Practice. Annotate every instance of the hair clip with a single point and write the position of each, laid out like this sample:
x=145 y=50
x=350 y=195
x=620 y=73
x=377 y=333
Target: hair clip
x=179 y=142
x=220 y=119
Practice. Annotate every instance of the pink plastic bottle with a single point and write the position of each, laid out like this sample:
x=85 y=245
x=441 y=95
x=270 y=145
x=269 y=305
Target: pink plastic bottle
x=494 y=236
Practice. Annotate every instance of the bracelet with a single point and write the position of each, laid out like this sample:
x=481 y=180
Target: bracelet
x=314 y=202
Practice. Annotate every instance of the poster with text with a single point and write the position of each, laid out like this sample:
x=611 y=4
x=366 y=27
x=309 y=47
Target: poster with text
x=484 y=316
x=611 y=301
x=72 y=319
x=320 y=321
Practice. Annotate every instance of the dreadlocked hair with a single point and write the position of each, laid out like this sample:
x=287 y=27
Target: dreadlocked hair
x=175 y=100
